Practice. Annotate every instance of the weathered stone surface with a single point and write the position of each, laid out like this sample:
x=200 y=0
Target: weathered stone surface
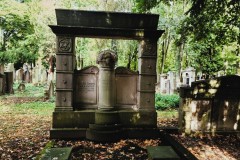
x=162 y=152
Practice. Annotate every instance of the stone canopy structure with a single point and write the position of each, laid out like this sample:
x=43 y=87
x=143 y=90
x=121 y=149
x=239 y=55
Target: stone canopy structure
x=105 y=103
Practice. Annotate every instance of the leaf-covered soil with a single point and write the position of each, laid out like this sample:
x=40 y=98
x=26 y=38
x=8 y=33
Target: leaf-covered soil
x=23 y=135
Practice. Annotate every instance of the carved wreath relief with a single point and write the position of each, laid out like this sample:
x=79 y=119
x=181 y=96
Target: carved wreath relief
x=64 y=44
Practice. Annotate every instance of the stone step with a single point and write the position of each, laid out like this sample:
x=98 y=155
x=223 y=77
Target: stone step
x=106 y=117
x=106 y=127
x=162 y=153
x=104 y=136
x=57 y=153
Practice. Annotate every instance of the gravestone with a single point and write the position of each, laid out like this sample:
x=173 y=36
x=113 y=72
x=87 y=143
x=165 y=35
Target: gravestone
x=43 y=75
x=188 y=76
x=163 y=86
x=8 y=78
x=10 y=68
x=99 y=99
x=210 y=105
x=19 y=75
x=86 y=95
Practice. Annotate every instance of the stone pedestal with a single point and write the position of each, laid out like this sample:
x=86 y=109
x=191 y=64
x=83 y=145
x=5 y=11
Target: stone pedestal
x=106 y=127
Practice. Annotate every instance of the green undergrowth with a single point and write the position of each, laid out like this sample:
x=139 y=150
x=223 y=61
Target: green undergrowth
x=166 y=102
x=30 y=90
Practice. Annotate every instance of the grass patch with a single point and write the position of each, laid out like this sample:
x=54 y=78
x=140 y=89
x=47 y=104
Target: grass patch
x=38 y=108
x=169 y=114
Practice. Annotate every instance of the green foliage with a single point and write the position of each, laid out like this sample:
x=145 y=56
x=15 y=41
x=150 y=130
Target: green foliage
x=30 y=90
x=144 y=6
x=165 y=102
x=18 y=43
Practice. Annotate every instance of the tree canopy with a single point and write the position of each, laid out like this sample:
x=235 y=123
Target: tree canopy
x=200 y=33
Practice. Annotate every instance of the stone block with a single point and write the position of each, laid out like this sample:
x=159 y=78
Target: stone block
x=147 y=65
x=64 y=63
x=64 y=81
x=146 y=100
x=64 y=98
x=147 y=83
x=73 y=119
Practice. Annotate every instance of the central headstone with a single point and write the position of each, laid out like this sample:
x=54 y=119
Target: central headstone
x=101 y=102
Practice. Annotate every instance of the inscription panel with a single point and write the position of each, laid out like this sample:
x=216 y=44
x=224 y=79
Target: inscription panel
x=86 y=89
x=126 y=89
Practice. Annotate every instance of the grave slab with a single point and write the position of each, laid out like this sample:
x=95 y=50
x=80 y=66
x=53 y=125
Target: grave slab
x=162 y=153
x=57 y=153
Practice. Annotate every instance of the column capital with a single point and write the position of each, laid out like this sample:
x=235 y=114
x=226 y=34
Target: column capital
x=107 y=59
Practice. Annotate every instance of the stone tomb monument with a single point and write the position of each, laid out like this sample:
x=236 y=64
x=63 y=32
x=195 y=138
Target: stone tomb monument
x=105 y=103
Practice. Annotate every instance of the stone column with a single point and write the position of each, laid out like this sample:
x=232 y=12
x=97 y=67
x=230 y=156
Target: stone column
x=106 y=60
x=65 y=64
x=147 y=73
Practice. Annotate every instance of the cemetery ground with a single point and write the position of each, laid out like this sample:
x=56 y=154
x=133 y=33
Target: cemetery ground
x=25 y=120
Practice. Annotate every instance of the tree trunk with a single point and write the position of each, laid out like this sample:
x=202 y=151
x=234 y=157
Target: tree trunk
x=179 y=60
x=165 y=46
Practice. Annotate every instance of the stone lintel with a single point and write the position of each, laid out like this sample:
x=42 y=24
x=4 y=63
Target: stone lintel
x=112 y=33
